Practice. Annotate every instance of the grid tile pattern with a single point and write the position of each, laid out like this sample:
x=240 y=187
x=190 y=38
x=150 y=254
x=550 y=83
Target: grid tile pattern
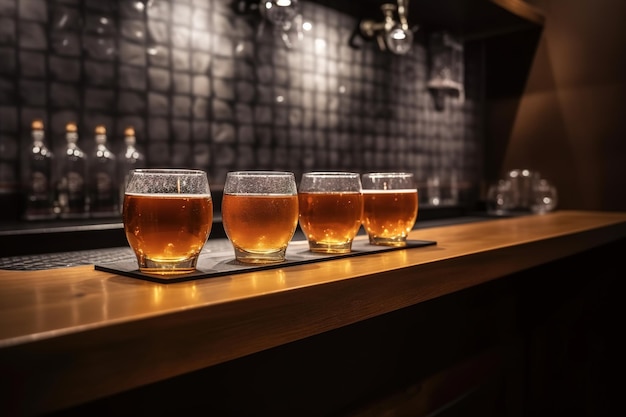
x=208 y=87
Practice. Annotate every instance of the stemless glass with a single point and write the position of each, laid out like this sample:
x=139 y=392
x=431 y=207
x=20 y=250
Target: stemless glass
x=331 y=207
x=544 y=197
x=389 y=207
x=260 y=214
x=502 y=198
x=167 y=215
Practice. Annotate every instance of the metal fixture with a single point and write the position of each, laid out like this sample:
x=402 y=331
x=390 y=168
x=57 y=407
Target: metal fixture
x=279 y=12
x=446 y=68
x=390 y=34
x=283 y=17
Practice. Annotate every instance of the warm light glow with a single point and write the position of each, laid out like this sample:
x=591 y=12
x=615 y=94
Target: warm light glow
x=307 y=26
x=283 y=3
x=157 y=295
x=37 y=125
x=192 y=292
x=281 y=279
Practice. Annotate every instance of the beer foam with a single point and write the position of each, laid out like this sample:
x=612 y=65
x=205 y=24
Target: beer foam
x=399 y=191
x=169 y=195
x=329 y=192
x=261 y=194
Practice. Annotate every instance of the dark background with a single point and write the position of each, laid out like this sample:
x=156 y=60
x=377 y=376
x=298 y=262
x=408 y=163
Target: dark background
x=569 y=123
x=210 y=84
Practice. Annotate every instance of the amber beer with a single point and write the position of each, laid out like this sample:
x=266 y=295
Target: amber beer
x=167 y=228
x=259 y=224
x=330 y=220
x=389 y=215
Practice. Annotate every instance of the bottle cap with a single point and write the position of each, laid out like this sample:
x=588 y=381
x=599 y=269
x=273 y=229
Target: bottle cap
x=37 y=124
x=71 y=132
x=129 y=136
x=101 y=134
x=37 y=130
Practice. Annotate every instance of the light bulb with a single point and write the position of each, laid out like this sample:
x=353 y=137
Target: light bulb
x=279 y=12
x=399 y=40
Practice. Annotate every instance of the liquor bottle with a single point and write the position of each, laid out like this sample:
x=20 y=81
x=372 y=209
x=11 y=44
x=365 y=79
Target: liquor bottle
x=103 y=195
x=38 y=180
x=72 y=185
x=129 y=158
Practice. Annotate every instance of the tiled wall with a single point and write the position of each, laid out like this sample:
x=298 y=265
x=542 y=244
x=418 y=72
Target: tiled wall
x=210 y=87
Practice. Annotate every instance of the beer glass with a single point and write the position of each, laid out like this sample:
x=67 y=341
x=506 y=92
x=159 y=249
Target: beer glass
x=167 y=215
x=331 y=206
x=389 y=207
x=260 y=214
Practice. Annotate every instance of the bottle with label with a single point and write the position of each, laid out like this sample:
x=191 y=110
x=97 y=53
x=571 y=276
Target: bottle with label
x=38 y=180
x=129 y=158
x=72 y=185
x=103 y=194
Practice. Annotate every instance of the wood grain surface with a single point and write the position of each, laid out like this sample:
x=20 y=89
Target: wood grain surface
x=71 y=335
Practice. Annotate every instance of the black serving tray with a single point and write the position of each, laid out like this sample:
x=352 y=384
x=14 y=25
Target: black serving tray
x=223 y=262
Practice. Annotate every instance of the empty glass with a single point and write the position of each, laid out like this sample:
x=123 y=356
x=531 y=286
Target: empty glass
x=522 y=181
x=544 y=197
x=501 y=198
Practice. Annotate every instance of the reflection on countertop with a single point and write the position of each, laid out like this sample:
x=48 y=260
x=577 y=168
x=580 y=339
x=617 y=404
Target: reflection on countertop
x=55 y=258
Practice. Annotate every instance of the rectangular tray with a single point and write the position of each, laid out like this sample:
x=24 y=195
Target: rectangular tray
x=220 y=263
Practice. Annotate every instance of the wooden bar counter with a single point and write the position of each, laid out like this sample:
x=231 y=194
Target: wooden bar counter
x=70 y=336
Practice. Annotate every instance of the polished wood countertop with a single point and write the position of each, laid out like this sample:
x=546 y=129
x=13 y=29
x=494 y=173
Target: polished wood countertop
x=71 y=335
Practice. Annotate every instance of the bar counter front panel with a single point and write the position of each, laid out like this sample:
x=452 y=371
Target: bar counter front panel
x=70 y=336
